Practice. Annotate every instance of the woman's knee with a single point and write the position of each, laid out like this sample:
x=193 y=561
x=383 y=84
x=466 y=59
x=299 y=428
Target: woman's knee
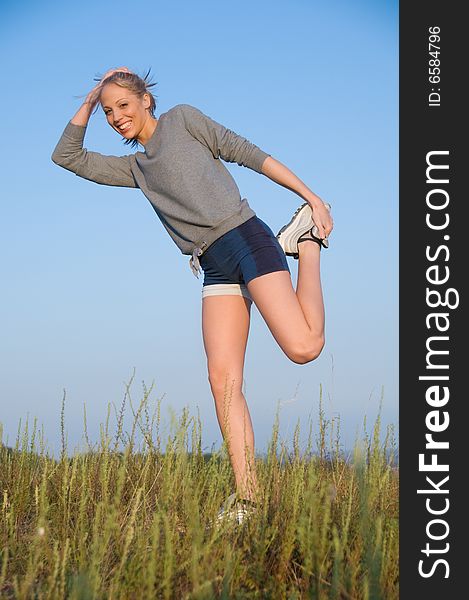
x=306 y=352
x=223 y=380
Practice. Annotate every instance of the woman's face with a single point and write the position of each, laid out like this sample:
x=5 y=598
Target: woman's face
x=125 y=112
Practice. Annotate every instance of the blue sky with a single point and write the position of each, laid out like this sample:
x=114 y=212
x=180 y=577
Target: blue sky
x=94 y=288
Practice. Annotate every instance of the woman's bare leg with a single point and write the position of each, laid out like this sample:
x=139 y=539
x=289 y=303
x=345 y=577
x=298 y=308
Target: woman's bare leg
x=225 y=327
x=296 y=319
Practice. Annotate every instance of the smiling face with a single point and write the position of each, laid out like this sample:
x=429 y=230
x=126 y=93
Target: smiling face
x=126 y=112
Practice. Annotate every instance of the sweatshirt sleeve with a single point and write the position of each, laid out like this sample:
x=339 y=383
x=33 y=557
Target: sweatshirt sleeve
x=107 y=170
x=222 y=142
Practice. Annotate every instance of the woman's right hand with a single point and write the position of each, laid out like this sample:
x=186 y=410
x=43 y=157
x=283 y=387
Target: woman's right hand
x=93 y=96
x=83 y=114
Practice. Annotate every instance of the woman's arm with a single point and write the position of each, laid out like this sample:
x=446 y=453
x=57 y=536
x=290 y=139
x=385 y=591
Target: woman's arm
x=221 y=141
x=106 y=170
x=228 y=145
x=275 y=170
x=70 y=154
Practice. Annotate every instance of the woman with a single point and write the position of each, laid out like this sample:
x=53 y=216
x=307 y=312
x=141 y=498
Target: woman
x=199 y=204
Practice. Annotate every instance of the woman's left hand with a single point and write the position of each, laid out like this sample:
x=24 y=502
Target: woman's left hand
x=281 y=174
x=322 y=217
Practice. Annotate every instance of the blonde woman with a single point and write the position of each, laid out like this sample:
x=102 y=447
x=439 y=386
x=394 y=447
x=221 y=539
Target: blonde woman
x=199 y=205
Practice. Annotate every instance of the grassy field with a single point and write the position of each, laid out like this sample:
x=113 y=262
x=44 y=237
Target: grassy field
x=125 y=522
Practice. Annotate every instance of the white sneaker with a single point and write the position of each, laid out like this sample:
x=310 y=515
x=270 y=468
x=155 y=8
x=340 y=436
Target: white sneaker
x=300 y=228
x=235 y=511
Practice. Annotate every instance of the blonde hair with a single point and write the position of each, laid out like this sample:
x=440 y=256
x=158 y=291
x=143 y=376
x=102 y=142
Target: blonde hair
x=135 y=84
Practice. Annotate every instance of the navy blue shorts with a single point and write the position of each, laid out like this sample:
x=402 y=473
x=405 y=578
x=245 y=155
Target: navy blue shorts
x=247 y=251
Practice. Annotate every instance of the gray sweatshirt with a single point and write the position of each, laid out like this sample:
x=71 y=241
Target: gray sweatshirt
x=180 y=172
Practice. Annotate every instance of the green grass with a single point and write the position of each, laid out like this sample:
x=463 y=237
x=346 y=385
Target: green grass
x=125 y=522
